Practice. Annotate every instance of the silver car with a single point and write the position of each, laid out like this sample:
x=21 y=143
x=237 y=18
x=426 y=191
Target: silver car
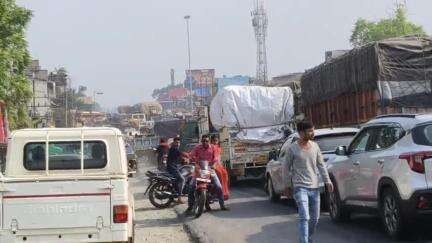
x=327 y=139
x=387 y=168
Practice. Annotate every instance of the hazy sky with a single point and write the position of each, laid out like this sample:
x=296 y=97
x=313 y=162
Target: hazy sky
x=127 y=48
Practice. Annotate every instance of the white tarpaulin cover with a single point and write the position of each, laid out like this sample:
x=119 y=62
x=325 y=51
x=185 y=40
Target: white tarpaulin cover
x=258 y=112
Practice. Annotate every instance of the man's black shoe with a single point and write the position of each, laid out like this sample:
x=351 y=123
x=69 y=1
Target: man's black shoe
x=188 y=211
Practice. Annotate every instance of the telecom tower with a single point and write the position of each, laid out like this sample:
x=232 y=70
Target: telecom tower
x=259 y=23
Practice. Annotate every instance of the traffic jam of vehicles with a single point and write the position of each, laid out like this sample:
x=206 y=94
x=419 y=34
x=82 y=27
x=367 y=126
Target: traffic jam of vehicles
x=73 y=184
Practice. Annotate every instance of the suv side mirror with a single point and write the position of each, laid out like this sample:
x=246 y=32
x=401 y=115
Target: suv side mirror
x=341 y=150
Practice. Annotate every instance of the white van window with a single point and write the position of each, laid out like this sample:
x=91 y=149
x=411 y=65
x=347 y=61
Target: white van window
x=65 y=155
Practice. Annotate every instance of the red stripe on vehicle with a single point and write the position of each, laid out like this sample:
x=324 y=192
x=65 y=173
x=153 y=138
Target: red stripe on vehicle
x=59 y=195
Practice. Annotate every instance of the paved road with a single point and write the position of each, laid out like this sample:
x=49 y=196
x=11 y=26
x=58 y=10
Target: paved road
x=154 y=225
x=254 y=219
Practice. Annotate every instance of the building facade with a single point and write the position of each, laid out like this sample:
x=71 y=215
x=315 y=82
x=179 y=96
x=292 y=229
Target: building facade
x=43 y=92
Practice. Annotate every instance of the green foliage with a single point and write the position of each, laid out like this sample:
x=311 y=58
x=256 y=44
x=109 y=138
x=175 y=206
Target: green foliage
x=14 y=58
x=368 y=31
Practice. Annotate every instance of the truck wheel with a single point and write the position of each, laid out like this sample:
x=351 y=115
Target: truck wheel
x=391 y=214
x=233 y=180
x=338 y=213
x=273 y=196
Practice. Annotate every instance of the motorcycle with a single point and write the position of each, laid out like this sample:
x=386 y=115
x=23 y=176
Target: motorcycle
x=205 y=192
x=162 y=186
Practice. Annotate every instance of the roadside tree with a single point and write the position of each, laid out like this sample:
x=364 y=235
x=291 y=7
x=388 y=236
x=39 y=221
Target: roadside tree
x=366 y=31
x=14 y=58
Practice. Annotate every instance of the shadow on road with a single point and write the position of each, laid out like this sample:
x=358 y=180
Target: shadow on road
x=140 y=196
x=254 y=209
x=361 y=229
x=158 y=222
x=248 y=183
x=146 y=209
x=248 y=202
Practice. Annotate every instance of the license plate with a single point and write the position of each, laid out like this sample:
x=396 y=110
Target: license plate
x=203 y=180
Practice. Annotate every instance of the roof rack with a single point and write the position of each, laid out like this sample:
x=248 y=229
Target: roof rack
x=397 y=115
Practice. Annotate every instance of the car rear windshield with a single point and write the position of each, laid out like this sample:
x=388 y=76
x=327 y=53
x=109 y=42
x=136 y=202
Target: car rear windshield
x=422 y=135
x=65 y=155
x=330 y=143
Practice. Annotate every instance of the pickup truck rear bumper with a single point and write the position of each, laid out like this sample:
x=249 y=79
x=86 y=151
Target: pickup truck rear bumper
x=64 y=235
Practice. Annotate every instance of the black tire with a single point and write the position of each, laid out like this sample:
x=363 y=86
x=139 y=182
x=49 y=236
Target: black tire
x=200 y=201
x=324 y=202
x=338 y=212
x=132 y=238
x=233 y=180
x=273 y=196
x=394 y=222
x=158 y=188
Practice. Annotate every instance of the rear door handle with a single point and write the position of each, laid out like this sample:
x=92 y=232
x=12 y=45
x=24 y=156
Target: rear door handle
x=356 y=163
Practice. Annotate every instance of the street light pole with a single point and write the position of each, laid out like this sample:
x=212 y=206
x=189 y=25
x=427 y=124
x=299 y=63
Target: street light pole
x=187 y=17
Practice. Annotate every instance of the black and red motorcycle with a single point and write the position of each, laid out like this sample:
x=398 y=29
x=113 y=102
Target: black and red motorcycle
x=205 y=191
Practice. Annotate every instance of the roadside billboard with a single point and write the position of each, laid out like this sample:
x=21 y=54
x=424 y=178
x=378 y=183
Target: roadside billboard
x=203 y=81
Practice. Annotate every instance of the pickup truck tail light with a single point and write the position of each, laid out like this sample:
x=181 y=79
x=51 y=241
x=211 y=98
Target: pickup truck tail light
x=416 y=160
x=120 y=213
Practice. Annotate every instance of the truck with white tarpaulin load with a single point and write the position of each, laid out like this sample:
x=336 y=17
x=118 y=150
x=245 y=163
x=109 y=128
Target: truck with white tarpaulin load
x=252 y=121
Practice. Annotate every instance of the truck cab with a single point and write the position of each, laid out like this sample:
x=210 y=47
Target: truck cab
x=66 y=185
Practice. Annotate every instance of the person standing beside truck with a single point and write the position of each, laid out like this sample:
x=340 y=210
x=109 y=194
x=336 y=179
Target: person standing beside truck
x=304 y=162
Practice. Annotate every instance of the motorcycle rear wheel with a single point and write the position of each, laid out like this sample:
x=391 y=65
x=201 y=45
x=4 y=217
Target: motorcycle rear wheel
x=156 y=196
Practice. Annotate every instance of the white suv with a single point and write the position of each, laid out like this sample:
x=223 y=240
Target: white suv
x=386 y=168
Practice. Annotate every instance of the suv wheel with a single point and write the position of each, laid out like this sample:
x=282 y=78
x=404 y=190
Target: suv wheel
x=338 y=212
x=391 y=213
x=273 y=196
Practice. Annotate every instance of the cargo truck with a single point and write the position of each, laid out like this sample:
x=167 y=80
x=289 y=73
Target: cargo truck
x=384 y=77
x=251 y=122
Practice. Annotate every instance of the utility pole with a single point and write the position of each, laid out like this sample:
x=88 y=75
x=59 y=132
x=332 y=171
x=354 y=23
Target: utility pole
x=34 y=99
x=187 y=17
x=94 y=99
x=66 y=104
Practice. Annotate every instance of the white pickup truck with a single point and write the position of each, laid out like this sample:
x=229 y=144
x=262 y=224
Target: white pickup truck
x=66 y=185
